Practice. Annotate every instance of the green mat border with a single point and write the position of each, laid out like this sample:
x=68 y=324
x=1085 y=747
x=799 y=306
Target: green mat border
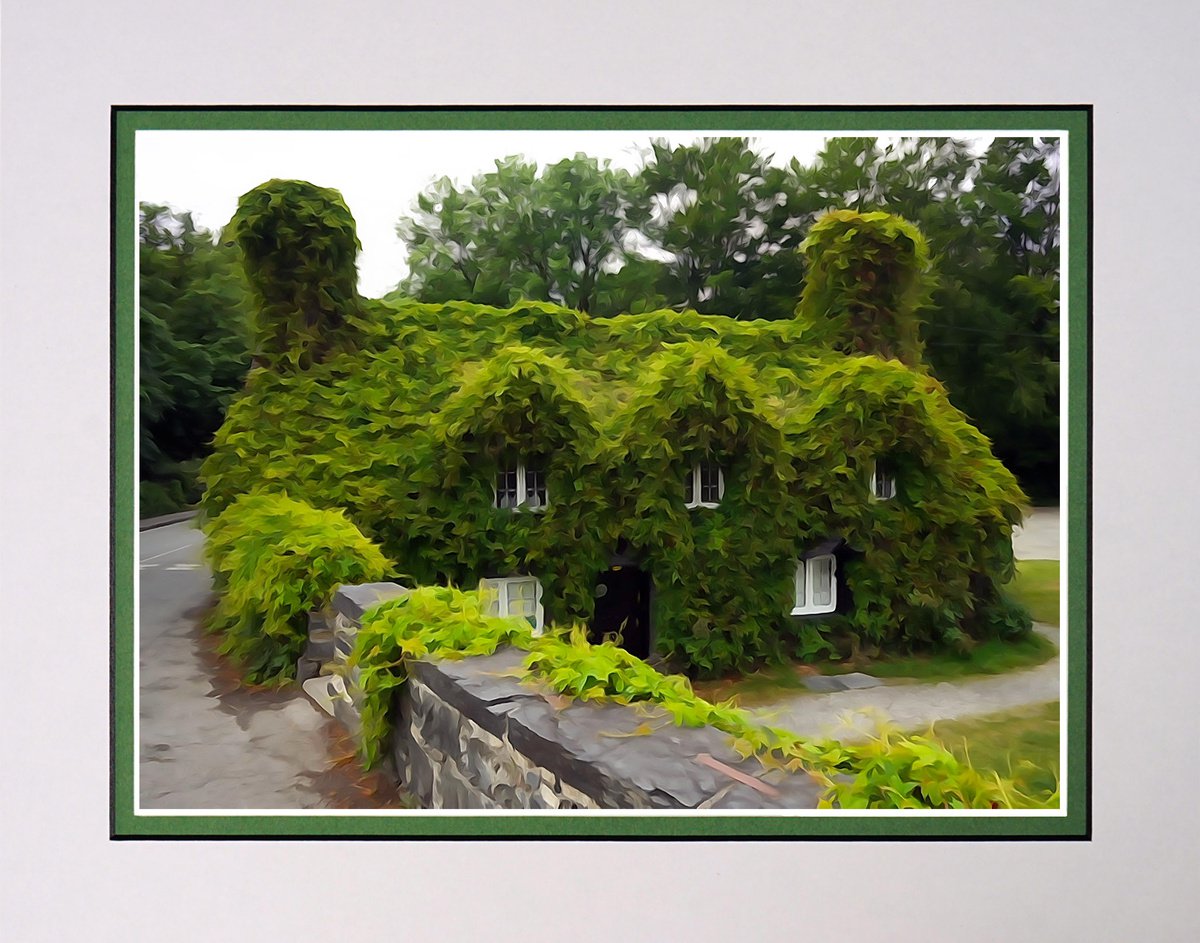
x=1076 y=120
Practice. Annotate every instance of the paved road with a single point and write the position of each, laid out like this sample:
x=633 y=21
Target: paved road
x=206 y=743
x=1038 y=537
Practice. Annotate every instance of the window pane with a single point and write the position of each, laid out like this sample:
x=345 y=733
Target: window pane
x=822 y=576
x=506 y=488
x=883 y=481
x=520 y=607
x=522 y=600
x=490 y=592
x=524 y=590
x=535 y=488
x=710 y=483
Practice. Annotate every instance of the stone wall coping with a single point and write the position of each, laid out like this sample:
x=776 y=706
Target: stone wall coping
x=605 y=749
x=352 y=601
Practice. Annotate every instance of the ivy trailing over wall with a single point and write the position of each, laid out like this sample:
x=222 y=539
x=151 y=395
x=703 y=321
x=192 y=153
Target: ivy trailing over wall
x=274 y=560
x=406 y=428
x=890 y=770
x=432 y=621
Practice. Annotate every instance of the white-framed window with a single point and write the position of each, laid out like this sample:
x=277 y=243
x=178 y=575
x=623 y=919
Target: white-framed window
x=517 y=596
x=704 y=486
x=521 y=486
x=816 y=585
x=883 y=480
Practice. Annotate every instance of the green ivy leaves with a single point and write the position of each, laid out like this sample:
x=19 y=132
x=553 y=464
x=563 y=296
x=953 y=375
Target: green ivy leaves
x=276 y=559
x=405 y=433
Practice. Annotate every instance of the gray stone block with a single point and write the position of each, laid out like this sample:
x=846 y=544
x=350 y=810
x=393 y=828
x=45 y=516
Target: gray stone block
x=823 y=684
x=856 y=680
x=353 y=601
x=853 y=681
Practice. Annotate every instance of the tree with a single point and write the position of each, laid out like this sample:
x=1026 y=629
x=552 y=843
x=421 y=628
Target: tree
x=193 y=350
x=717 y=214
x=515 y=233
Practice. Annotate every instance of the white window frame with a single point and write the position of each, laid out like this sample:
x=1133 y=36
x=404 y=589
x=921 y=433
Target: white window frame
x=499 y=590
x=876 y=479
x=693 y=500
x=522 y=494
x=804 y=597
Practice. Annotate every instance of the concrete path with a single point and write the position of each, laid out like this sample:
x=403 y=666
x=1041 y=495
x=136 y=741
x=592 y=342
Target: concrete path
x=204 y=741
x=1038 y=537
x=851 y=715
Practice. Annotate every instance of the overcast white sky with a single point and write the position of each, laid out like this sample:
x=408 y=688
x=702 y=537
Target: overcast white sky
x=379 y=173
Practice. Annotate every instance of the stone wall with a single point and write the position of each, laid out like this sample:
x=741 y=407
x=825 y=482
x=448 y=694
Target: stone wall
x=468 y=734
x=475 y=734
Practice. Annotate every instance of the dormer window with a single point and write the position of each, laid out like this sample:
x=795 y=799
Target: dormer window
x=704 y=486
x=521 y=486
x=883 y=480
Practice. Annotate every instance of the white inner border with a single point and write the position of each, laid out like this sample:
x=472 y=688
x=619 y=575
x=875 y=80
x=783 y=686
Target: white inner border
x=1064 y=400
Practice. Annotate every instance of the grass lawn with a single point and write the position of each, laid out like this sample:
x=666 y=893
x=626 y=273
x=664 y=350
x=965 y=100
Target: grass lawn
x=1021 y=745
x=1035 y=585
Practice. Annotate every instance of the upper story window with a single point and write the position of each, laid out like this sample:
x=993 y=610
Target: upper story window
x=514 y=596
x=816 y=586
x=521 y=486
x=883 y=480
x=704 y=486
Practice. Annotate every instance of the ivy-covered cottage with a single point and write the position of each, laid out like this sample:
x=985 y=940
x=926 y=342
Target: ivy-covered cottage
x=712 y=490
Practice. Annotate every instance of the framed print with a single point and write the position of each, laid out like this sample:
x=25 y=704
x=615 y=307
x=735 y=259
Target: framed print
x=589 y=472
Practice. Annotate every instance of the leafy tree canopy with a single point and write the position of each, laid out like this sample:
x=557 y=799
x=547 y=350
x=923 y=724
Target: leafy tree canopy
x=193 y=350
x=515 y=233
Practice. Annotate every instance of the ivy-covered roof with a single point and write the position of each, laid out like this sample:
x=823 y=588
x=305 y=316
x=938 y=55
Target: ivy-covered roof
x=402 y=423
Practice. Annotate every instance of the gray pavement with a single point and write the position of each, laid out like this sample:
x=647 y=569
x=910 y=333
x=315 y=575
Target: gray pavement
x=1038 y=537
x=852 y=715
x=204 y=741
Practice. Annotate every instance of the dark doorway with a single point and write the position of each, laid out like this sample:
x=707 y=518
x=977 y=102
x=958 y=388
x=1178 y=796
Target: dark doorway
x=623 y=607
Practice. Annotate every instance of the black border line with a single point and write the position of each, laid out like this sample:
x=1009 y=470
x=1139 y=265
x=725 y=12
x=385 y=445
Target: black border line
x=116 y=110
x=606 y=108
x=112 y=476
x=1091 y=224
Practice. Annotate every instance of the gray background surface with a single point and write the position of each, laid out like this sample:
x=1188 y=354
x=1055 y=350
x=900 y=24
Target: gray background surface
x=64 y=64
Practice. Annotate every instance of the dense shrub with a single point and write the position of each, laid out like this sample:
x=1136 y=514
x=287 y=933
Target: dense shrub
x=155 y=498
x=888 y=770
x=274 y=559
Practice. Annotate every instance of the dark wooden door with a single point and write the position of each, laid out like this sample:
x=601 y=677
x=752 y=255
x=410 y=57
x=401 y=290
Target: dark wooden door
x=623 y=608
